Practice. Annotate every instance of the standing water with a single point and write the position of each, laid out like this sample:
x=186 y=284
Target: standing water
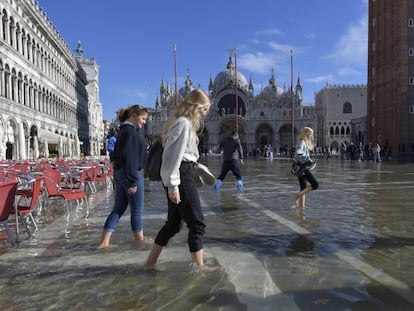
x=351 y=248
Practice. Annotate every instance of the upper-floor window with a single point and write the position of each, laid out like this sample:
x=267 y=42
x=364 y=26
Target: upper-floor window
x=411 y=80
x=411 y=22
x=411 y=52
x=411 y=109
x=347 y=108
x=374 y=21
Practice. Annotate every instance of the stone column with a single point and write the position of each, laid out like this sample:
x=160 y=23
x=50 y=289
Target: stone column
x=21 y=142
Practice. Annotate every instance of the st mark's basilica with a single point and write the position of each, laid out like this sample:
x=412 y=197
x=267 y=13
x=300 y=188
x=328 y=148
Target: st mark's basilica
x=263 y=120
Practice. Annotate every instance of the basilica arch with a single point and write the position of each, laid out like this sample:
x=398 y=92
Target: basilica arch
x=227 y=105
x=264 y=135
x=229 y=125
x=203 y=144
x=285 y=135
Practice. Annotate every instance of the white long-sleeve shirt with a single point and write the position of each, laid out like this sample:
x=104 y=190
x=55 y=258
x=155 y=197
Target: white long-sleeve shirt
x=302 y=153
x=180 y=145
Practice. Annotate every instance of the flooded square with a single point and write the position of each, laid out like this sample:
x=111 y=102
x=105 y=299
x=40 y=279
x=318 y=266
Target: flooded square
x=351 y=248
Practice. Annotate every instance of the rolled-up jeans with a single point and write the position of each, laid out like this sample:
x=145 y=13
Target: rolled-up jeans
x=122 y=199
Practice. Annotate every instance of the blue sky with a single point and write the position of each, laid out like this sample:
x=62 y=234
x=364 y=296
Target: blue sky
x=132 y=41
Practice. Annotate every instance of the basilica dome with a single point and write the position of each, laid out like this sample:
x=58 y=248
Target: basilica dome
x=225 y=78
x=187 y=88
x=272 y=90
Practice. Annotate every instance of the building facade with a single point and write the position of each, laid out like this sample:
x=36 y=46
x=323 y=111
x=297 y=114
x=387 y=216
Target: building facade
x=46 y=93
x=272 y=118
x=341 y=114
x=390 y=106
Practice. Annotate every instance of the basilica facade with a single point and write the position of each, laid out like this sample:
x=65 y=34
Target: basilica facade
x=271 y=118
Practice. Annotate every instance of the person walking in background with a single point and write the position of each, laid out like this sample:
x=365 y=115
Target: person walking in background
x=111 y=142
x=232 y=154
x=302 y=155
x=342 y=151
x=328 y=152
x=180 y=142
x=376 y=150
x=129 y=159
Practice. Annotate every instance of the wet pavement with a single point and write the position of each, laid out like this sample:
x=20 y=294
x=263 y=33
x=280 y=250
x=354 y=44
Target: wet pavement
x=352 y=248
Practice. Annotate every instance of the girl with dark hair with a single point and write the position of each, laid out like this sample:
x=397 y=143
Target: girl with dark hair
x=128 y=160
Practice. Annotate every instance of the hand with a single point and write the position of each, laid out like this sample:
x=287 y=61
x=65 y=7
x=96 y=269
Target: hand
x=241 y=161
x=174 y=197
x=132 y=190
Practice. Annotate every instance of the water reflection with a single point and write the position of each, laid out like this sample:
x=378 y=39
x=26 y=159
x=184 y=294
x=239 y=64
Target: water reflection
x=352 y=248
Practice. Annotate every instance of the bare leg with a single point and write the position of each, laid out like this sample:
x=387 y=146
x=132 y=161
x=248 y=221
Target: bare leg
x=299 y=199
x=139 y=236
x=302 y=201
x=106 y=237
x=153 y=256
x=197 y=263
x=197 y=258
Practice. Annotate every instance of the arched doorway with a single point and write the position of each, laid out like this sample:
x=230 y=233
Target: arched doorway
x=264 y=136
x=285 y=134
x=203 y=145
x=227 y=105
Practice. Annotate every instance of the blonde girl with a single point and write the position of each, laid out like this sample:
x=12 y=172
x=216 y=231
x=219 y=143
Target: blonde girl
x=302 y=155
x=180 y=142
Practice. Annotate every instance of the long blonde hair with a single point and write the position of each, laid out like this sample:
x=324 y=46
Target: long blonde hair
x=306 y=134
x=189 y=108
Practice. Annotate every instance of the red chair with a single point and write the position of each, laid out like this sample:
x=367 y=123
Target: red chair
x=28 y=202
x=54 y=190
x=88 y=178
x=7 y=196
x=101 y=175
x=78 y=178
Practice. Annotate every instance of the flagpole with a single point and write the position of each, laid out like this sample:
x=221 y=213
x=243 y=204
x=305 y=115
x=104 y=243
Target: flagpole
x=175 y=75
x=291 y=99
x=235 y=86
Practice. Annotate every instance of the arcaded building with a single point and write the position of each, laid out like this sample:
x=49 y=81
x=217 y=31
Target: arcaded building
x=341 y=112
x=47 y=94
x=273 y=117
x=390 y=105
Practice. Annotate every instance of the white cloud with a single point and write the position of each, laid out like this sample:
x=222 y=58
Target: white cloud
x=269 y=32
x=283 y=48
x=319 y=79
x=258 y=62
x=351 y=48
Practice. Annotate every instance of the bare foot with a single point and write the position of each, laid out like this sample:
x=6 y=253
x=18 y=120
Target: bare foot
x=296 y=199
x=106 y=246
x=156 y=268
x=204 y=268
x=103 y=246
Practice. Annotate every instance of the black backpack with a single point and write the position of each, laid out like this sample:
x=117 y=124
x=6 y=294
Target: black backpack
x=154 y=159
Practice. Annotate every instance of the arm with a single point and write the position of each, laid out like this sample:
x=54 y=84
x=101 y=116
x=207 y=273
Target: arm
x=240 y=151
x=302 y=153
x=174 y=147
x=130 y=158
